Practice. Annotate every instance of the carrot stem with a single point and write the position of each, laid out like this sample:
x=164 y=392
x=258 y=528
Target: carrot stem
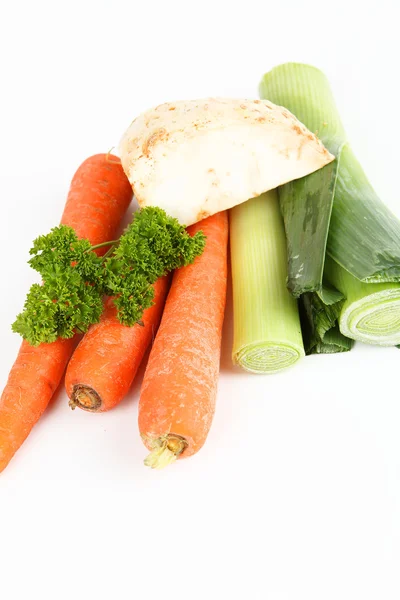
x=165 y=450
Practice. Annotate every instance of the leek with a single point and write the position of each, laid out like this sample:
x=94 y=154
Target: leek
x=320 y=312
x=337 y=212
x=371 y=311
x=267 y=332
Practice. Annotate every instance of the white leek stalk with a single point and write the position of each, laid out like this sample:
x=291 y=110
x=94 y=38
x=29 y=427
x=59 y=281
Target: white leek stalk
x=267 y=333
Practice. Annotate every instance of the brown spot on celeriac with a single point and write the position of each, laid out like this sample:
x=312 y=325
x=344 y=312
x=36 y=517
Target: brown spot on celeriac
x=203 y=214
x=153 y=139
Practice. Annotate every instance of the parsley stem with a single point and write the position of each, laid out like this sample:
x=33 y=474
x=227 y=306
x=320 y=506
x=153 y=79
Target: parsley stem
x=107 y=254
x=112 y=242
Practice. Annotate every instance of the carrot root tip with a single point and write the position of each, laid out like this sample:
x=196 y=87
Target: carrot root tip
x=108 y=159
x=164 y=450
x=85 y=398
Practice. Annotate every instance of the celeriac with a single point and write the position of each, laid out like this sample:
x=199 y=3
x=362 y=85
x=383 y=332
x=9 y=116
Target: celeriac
x=196 y=158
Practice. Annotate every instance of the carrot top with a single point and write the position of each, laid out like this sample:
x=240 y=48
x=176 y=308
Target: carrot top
x=75 y=278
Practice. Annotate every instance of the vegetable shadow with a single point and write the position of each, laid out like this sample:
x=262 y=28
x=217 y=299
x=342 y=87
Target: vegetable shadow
x=226 y=365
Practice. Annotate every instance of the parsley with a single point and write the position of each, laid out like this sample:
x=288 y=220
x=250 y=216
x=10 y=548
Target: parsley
x=75 y=279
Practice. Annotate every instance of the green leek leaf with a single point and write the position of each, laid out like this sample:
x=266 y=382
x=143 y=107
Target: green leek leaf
x=306 y=225
x=320 y=313
x=342 y=217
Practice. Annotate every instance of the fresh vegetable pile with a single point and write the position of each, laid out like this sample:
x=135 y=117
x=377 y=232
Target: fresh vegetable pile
x=343 y=243
x=315 y=261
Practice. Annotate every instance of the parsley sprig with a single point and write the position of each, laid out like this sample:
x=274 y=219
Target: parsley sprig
x=75 y=279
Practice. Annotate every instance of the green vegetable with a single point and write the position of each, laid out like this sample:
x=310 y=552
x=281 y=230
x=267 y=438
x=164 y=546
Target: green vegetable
x=320 y=312
x=75 y=278
x=267 y=333
x=371 y=311
x=364 y=236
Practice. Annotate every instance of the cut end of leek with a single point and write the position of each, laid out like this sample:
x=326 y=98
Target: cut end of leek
x=263 y=358
x=374 y=319
x=371 y=311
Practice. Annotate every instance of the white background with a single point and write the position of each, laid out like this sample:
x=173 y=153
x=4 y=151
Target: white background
x=296 y=494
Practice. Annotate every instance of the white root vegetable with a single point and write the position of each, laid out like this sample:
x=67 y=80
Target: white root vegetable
x=196 y=158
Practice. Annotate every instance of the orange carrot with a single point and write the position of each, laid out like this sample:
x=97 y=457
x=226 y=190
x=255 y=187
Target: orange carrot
x=103 y=366
x=98 y=198
x=32 y=382
x=178 y=394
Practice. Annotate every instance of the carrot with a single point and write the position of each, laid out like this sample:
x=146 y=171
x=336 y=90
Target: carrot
x=179 y=389
x=105 y=363
x=98 y=198
x=32 y=382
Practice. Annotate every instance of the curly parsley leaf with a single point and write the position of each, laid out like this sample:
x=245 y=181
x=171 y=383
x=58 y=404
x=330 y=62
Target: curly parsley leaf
x=153 y=245
x=65 y=303
x=75 y=279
